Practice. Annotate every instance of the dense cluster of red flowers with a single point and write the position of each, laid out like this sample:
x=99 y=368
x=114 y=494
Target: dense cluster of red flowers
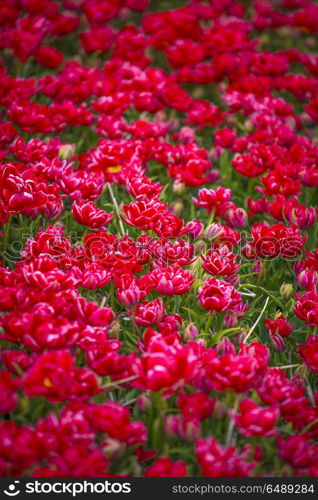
x=158 y=215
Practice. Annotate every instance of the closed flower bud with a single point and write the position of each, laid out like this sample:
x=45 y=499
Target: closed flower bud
x=198 y=92
x=239 y=337
x=186 y=135
x=190 y=430
x=220 y=410
x=113 y=449
x=277 y=342
x=225 y=347
x=194 y=228
x=237 y=217
x=144 y=402
x=177 y=207
x=66 y=151
x=114 y=331
x=286 y=290
x=178 y=188
x=171 y=425
x=213 y=231
x=199 y=246
x=178 y=426
x=190 y=332
x=230 y=320
x=257 y=266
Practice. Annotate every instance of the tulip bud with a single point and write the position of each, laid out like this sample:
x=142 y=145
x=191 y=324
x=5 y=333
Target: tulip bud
x=66 y=151
x=214 y=153
x=248 y=125
x=306 y=120
x=237 y=217
x=310 y=42
x=220 y=410
x=52 y=209
x=176 y=208
x=213 y=175
x=174 y=124
x=239 y=337
x=113 y=449
x=201 y=341
x=178 y=188
x=286 y=290
x=277 y=342
x=194 y=228
x=225 y=347
x=177 y=426
x=230 y=321
x=258 y=453
x=171 y=425
x=213 y=231
x=144 y=402
x=265 y=38
x=191 y=430
x=190 y=332
x=186 y=134
x=251 y=452
x=199 y=247
x=224 y=137
x=114 y=331
x=124 y=14
x=257 y=266
x=198 y=92
x=160 y=116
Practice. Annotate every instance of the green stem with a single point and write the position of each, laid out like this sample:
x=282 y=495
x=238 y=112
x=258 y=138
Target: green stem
x=261 y=273
x=208 y=323
x=114 y=201
x=135 y=326
x=211 y=219
x=6 y=236
x=230 y=430
x=112 y=295
x=18 y=68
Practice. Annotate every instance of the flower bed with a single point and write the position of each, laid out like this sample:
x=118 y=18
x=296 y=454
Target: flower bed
x=158 y=209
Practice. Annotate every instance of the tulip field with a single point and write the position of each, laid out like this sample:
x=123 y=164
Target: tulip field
x=159 y=238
